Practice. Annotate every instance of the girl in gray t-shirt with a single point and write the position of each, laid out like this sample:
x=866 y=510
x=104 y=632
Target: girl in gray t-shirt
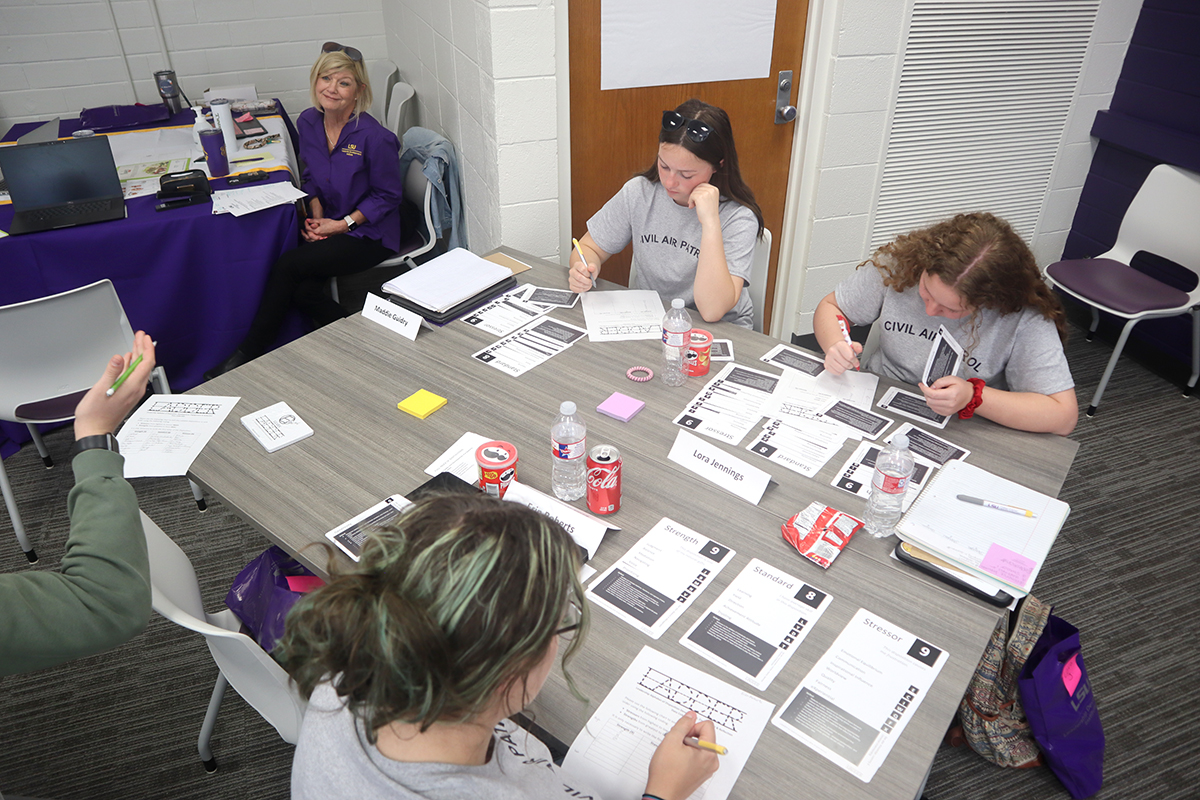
x=976 y=276
x=691 y=218
x=414 y=663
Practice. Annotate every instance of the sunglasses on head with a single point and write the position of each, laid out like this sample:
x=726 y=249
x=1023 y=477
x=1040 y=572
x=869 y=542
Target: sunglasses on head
x=696 y=130
x=334 y=47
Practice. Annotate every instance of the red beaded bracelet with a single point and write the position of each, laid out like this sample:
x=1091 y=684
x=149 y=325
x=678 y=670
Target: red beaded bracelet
x=968 y=411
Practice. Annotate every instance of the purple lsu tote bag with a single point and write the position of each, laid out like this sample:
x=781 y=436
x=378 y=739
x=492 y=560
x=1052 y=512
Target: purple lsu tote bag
x=1061 y=709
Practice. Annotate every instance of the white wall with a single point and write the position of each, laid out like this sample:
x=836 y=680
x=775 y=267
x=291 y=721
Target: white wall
x=483 y=71
x=863 y=67
x=484 y=75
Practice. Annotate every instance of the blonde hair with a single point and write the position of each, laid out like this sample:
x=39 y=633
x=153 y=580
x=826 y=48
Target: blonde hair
x=338 y=61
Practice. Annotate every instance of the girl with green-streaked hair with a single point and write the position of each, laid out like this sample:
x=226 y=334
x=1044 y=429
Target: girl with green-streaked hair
x=414 y=663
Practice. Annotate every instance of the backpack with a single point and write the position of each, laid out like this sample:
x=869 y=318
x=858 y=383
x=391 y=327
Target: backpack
x=992 y=719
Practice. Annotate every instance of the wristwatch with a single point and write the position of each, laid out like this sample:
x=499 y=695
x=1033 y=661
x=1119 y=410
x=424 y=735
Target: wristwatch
x=103 y=441
x=349 y=220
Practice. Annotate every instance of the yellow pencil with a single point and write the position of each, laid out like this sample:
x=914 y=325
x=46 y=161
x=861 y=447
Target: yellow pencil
x=693 y=741
x=579 y=250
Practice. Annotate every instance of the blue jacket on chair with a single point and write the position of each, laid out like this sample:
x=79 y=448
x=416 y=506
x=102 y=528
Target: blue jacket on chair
x=436 y=152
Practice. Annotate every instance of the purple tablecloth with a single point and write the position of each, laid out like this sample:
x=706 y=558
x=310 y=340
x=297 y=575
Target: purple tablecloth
x=189 y=278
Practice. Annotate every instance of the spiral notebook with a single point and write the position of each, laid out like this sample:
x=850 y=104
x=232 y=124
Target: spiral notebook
x=1003 y=533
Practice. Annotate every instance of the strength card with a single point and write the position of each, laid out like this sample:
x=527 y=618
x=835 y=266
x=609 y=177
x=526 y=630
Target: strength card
x=660 y=577
x=912 y=406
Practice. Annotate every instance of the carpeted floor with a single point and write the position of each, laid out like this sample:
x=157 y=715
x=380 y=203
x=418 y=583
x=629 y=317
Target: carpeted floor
x=124 y=724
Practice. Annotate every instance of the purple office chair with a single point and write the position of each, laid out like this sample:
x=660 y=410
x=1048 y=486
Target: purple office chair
x=1163 y=219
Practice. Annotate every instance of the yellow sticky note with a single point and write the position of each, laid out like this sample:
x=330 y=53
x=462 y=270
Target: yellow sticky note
x=421 y=403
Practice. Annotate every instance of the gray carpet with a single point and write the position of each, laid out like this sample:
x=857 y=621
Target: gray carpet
x=124 y=724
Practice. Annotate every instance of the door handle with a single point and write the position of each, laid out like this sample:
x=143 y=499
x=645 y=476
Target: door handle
x=784 y=111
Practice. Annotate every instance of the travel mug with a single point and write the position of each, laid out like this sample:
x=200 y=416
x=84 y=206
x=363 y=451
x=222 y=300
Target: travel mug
x=213 y=144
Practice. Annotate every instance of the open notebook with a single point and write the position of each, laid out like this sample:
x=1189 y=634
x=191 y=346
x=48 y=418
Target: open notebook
x=999 y=545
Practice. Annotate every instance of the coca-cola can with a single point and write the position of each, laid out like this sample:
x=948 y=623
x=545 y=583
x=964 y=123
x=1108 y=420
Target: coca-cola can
x=604 y=479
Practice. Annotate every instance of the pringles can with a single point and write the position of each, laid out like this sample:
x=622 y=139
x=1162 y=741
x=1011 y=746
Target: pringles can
x=699 y=353
x=497 y=467
x=604 y=479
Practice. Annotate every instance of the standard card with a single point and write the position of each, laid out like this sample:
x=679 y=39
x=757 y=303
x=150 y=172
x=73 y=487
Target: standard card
x=912 y=406
x=756 y=624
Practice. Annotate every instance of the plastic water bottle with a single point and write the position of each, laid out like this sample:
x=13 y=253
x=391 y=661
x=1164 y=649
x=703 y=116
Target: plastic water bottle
x=568 y=437
x=893 y=469
x=677 y=327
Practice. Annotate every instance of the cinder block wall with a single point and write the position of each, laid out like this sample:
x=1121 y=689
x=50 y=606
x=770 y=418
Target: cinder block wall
x=483 y=71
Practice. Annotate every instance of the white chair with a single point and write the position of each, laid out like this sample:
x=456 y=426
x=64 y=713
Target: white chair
x=241 y=662
x=382 y=75
x=758 y=278
x=1163 y=220
x=397 y=109
x=52 y=350
x=419 y=192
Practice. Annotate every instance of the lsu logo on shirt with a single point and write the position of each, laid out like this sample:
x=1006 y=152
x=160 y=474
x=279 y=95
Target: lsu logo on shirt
x=352 y=150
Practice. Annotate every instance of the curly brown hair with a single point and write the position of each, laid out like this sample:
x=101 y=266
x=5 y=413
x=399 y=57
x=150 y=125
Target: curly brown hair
x=978 y=255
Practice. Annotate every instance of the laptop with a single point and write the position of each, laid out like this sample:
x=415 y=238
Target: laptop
x=46 y=132
x=61 y=184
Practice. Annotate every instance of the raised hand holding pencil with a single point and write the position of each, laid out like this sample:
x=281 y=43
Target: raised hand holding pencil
x=111 y=399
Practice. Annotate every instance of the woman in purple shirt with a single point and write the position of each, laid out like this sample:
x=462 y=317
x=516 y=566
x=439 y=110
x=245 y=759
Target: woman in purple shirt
x=351 y=172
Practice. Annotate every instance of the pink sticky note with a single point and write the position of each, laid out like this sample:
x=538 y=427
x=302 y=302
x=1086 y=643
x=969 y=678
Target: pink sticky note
x=245 y=117
x=1071 y=674
x=1007 y=565
x=304 y=583
x=620 y=406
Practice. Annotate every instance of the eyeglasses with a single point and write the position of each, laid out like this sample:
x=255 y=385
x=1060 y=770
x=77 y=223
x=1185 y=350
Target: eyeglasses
x=333 y=47
x=696 y=130
x=573 y=619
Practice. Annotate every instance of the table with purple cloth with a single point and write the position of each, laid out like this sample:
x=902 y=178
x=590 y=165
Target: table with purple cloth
x=188 y=277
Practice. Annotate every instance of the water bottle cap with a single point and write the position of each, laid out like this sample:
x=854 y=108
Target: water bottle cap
x=900 y=441
x=566 y=408
x=677 y=302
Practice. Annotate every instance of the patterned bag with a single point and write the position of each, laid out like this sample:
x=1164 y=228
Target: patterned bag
x=993 y=721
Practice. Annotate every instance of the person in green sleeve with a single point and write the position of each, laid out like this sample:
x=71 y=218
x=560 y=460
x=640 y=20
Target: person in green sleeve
x=101 y=596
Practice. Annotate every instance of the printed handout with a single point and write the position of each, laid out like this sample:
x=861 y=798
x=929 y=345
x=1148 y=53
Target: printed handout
x=757 y=623
x=660 y=576
x=164 y=436
x=728 y=407
x=612 y=753
x=857 y=699
x=624 y=315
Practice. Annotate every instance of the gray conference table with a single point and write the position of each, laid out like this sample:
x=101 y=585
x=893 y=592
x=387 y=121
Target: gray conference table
x=345 y=380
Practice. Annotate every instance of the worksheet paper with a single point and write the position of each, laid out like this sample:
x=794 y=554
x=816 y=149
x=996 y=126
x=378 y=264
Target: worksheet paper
x=504 y=314
x=536 y=342
x=728 y=407
x=855 y=475
x=624 y=315
x=857 y=699
x=911 y=405
x=802 y=396
x=242 y=201
x=801 y=445
x=612 y=753
x=167 y=432
x=757 y=623
x=459 y=459
x=660 y=576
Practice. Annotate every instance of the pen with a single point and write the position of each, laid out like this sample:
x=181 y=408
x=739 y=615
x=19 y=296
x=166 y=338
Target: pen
x=700 y=744
x=1024 y=512
x=579 y=250
x=128 y=371
x=248 y=160
x=845 y=332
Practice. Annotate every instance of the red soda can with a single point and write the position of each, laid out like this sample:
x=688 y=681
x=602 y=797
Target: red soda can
x=604 y=479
